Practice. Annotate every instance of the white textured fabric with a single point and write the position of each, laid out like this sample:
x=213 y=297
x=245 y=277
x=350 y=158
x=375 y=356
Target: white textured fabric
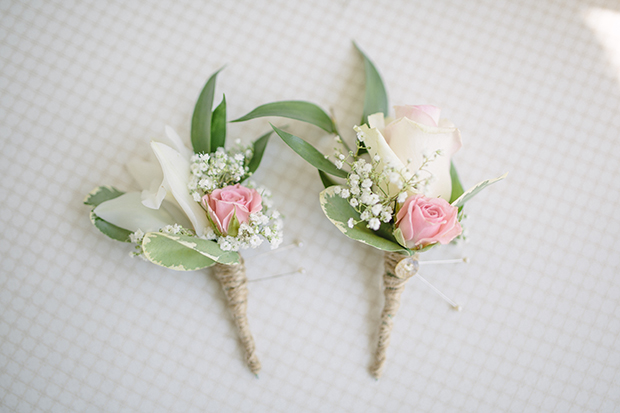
x=534 y=87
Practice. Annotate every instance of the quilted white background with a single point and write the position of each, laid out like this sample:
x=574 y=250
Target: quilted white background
x=534 y=87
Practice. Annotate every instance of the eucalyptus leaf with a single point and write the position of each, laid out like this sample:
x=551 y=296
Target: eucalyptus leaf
x=101 y=194
x=338 y=211
x=260 y=145
x=201 y=119
x=293 y=109
x=112 y=231
x=375 y=96
x=457 y=187
x=470 y=193
x=310 y=153
x=218 y=126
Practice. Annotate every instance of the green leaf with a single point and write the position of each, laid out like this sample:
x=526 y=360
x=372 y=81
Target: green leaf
x=183 y=252
x=101 y=194
x=112 y=231
x=474 y=191
x=218 y=126
x=260 y=145
x=293 y=109
x=375 y=96
x=327 y=181
x=398 y=235
x=310 y=153
x=170 y=254
x=201 y=119
x=457 y=187
x=338 y=211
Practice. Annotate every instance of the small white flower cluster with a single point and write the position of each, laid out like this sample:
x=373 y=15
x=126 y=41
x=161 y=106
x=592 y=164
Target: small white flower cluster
x=136 y=238
x=265 y=224
x=365 y=195
x=176 y=229
x=217 y=170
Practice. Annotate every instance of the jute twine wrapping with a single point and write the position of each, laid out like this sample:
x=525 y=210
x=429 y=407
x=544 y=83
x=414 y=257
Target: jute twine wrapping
x=234 y=283
x=398 y=270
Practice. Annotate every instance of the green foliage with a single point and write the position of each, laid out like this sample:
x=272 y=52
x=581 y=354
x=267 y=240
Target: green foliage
x=375 y=96
x=310 y=153
x=101 y=194
x=470 y=193
x=293 y=109
x=184 y=253
x=326 y=180
x=202 y=117
x=98 y=196
x=111 y=230
x=260 y=145
x=457 y=187
x=338 y=211
x=218 y=126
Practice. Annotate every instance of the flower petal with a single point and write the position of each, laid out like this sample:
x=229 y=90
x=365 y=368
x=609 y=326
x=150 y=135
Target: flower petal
x=425 y=114
x=127 y=211
x=411 y=140
x=376 y=120
x=376 y=145
x=176 y=177
x=174 y=141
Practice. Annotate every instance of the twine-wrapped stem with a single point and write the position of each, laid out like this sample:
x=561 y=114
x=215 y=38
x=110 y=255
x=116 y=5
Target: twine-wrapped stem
x=398 y=270
x=234 y=283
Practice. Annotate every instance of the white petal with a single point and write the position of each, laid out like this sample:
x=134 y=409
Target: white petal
x=376 y=120
x=127 y=212
x=410 y=140
x=176 y=177
x=174 y=141
x=376 y=144
x=154 y=195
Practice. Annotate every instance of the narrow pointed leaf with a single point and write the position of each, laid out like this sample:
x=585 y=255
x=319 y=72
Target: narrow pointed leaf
x=101 y=194
x=293 y=109
x=470 y=193
x=112 y=231
x=218 y=126
x=327 y=181
x=201 y=119
x=338 y=211
x=309 y=153
x=457 y=187
x=260 y=145
x=375 y=96
x=168 y=253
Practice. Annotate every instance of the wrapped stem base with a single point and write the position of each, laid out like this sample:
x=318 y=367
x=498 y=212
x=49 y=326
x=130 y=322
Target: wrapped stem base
x=234 y=283
x=398 y=270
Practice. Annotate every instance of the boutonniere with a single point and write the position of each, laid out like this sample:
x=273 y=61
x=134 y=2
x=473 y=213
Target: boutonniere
x=396 y=189
x=197 y=208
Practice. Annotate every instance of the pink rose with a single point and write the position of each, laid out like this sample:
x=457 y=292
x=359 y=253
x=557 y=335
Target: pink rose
x=424 y=221
x=228 y=202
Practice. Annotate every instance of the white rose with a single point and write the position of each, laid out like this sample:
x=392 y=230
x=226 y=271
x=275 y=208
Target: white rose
x=403 y=142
